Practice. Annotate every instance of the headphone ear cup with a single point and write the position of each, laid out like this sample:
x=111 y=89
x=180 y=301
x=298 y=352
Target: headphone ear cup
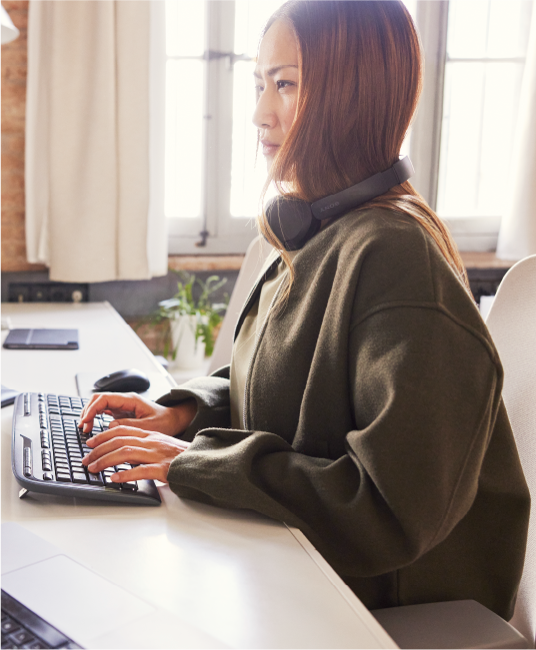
x=291 y=221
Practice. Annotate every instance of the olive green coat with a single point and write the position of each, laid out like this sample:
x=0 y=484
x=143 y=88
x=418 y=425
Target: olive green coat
x=374 y=423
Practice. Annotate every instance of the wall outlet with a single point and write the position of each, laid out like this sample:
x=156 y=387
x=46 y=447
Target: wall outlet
x=48 y=292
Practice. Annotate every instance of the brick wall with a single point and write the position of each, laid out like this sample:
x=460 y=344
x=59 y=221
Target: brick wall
x=14 y=65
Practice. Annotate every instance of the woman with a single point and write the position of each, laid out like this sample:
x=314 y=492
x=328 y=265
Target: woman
x=363 y=404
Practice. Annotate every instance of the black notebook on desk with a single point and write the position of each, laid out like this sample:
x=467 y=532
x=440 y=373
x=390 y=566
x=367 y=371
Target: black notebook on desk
x=42 y=339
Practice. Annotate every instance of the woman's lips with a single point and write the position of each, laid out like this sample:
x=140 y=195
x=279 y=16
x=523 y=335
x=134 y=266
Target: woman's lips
x=269 y=148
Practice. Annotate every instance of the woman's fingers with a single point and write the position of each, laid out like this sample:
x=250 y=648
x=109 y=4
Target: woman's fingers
x=145 y=424
x=129 y=453
x=115 y=432
x=132 y=445
x=116 y=403
x=155 y=471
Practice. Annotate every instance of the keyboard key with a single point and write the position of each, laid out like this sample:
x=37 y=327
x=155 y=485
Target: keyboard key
x=48 y=476
x=79 y=477
x=21 y=636
x=63 y=476
x=37 y=645
x=9 y=625
x=95 y=479
x=109 y=483
x=131 y=486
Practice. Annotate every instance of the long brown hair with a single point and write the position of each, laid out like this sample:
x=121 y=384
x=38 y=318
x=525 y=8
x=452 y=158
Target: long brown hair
x=360 y=78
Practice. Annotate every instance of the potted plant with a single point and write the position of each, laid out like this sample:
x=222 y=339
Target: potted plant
x=192 y=323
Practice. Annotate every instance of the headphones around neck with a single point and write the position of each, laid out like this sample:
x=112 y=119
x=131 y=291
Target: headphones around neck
x=294 y=222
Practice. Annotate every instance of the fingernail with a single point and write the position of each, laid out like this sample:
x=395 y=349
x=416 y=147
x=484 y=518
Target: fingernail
x=92 y=467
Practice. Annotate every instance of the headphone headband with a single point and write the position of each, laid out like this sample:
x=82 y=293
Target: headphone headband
x=294 y=221
x=338 y=204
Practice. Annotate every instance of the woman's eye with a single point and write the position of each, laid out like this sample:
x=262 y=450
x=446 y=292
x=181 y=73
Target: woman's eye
x=284 y=84
x=258 y=90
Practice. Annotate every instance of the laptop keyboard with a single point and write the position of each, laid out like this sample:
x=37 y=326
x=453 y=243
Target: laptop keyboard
x=22 y=628
x=48 y=448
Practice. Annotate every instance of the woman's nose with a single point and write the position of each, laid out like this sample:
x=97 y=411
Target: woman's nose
x=264 y=116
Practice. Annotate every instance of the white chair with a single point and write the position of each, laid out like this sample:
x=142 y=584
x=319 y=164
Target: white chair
x=512 y=323
x=467 y=624
x=254 y=259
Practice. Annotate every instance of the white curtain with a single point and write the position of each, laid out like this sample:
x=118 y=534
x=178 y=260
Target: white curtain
x=87 y=142
x=517 y=236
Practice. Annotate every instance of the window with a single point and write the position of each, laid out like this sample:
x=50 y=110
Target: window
x=475 y=53
x=207 y=151
x=203 y=158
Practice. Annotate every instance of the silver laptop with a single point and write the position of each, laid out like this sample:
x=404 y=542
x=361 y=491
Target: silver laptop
x=83 y=605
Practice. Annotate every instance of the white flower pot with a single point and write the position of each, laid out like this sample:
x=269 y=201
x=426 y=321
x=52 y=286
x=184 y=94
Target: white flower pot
x=190 y=353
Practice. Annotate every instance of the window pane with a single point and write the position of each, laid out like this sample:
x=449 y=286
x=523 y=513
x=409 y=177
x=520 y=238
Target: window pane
x=488 y=28
x=185 y=27
x=467 y=28
x=184 y=138
x=479 y=114
x=250 y=18
x=248 y=171
x=480 y=103
x=411 y=6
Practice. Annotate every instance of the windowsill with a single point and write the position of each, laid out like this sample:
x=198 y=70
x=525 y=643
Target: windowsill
x=205 y=262
x=471 y=259
x=478 y=260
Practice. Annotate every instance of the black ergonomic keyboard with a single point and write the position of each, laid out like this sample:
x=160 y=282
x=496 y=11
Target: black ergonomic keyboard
x=47 y=451
x=22 y=628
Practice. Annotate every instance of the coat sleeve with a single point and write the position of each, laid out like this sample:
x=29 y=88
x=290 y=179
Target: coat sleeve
x=425 y=394
x=212 y=397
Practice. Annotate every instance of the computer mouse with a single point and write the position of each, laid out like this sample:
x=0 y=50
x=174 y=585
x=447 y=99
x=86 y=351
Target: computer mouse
x=123 y=381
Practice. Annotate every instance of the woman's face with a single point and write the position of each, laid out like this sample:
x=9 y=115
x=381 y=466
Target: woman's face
x=276 y=84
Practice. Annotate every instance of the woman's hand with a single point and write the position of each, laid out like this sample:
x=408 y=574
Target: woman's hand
x=131 y=410
x=123 y=444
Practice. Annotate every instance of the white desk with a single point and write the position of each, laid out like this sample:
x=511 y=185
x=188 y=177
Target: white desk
x=243 y=579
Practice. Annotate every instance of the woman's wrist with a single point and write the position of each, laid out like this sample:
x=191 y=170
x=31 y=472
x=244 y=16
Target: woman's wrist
x=183 y=415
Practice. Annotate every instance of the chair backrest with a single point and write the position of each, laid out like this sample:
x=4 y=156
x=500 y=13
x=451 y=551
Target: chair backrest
x=512 y=323
x=254 y=259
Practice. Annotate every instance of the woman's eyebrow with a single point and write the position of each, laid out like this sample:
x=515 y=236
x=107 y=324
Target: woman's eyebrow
x=271 y=71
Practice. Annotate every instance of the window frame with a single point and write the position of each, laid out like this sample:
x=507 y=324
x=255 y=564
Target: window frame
x=225 y=234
